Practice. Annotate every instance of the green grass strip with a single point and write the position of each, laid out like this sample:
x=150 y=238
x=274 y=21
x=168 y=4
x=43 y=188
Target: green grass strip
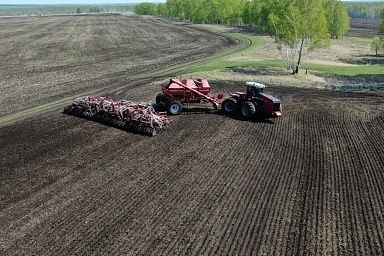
x=220 y=62
x=32 y=112
x=223 y=63
x=328 y=69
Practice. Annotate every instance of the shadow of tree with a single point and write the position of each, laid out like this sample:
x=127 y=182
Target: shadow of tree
x=358 y=82
x=260 y=71
x=365 y=60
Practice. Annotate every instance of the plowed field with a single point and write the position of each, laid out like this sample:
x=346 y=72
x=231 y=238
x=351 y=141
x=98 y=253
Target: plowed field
x=311 y=183
x=364 y=28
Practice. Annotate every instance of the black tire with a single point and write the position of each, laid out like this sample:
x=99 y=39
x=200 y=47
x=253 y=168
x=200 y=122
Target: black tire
x=68 y=109
x=174 y=107
x=229 y=106
x=247 y=110
x=159 y=98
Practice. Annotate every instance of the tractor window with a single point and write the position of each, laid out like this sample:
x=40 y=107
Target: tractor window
x=251 y=91
x=198 y=83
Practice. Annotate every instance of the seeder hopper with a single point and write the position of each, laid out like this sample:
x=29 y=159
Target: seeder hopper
x=175 y=93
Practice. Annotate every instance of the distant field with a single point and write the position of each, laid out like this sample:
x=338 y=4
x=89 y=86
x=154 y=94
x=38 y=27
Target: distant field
x=46 y=58
x=364 y=28
x=41 y=10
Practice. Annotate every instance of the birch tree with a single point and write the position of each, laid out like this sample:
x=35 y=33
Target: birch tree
x=299 y=27
x=337 y=18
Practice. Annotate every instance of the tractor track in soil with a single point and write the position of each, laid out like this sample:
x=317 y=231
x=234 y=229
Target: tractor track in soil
x=310 y=183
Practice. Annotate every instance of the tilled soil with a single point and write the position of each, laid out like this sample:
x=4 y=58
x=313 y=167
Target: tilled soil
x=310 y=183
x=51 y=57
x=364 y=28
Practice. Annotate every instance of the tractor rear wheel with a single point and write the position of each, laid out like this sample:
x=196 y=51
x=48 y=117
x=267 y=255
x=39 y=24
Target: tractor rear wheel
x=174 y=107
x=229 y=106
x=247 y=110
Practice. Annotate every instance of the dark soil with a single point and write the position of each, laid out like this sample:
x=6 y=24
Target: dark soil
x=51 y=57
x=310 y=183
x=363 y=28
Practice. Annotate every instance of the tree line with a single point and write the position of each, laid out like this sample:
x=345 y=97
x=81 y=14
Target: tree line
x=298 y=26
x=377 y=43
x=22 y=10
x=364 y=10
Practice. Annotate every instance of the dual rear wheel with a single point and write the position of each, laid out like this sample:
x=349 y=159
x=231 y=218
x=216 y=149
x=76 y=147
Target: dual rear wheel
x=246 y=110
x=229 y=106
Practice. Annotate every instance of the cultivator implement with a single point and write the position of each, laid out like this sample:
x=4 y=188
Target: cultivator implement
x=132 y=116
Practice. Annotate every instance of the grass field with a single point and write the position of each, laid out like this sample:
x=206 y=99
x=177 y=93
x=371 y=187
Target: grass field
x=348 y=63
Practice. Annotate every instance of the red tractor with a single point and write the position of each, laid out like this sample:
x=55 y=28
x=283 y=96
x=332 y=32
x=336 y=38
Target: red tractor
x=175 y=93
x=252 y=103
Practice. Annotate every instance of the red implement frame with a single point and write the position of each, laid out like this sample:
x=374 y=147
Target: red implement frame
x=216 y=102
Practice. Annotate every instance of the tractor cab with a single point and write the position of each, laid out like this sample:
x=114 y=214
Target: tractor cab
x=253 y=88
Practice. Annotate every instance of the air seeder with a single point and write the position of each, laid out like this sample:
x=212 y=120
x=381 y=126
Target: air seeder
x=146 y=118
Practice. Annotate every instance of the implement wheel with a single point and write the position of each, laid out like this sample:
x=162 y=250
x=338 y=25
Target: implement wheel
x=174 y=107
x=229 y=106
x=247 y=110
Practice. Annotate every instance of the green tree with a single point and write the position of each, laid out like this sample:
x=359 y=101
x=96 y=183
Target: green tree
x=95 y=9
x=381 y=25
x=215 y=10
x=162 y=9
x=337 y=18
x=198 y=13
x=298 y=27
x=251 y=13
x=225 y=11
x=175 y=9
x=145 y=8
x=234 y=11
x=364 y=9
x=377 y=45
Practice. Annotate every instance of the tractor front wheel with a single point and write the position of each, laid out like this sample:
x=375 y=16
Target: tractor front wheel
x=229 y=106
x=174 y=107
x=248 y=110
